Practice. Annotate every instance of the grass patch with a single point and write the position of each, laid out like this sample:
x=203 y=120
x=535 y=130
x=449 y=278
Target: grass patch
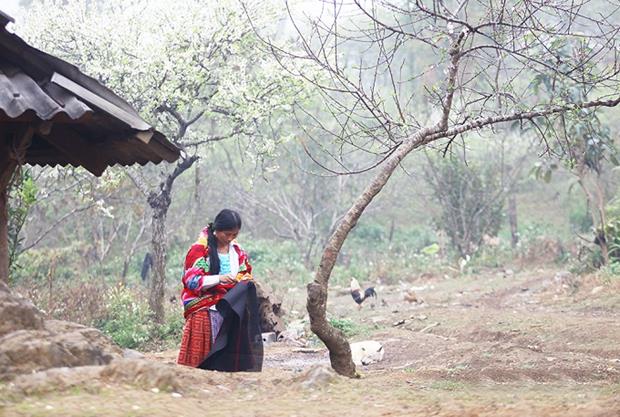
x=349 y=327
x=448 y=385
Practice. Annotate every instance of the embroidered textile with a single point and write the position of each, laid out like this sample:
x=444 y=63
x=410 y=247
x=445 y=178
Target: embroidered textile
x=196 y=267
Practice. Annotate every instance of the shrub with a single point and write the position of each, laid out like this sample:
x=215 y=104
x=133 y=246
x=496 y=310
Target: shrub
x=347 y=326
x=168 y=334
x=77 y=301
x=22 y=195
x=612 y=230
x=118 y=311
x=127 y=321
x=580 y=219
x=591 y=255
x=471 y=200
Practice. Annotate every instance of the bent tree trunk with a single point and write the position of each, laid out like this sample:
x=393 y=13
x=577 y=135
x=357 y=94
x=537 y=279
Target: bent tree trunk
x=334 y=339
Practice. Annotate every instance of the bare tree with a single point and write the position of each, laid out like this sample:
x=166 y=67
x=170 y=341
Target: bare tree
x=299 y=205
x=433 y=71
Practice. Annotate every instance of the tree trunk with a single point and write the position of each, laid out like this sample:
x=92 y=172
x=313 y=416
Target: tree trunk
x=160 y=203
x=132 y=249
x=334 y=339
x=157 y=284
x=600 y=205
x=601 y=238
x=391 y=234
x=125 y=269
x=512 y=219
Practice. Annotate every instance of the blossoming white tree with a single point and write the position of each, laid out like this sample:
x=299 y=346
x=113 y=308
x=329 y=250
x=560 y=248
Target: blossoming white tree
x=191 y=68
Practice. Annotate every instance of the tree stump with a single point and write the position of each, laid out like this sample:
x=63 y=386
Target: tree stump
x=270 y=307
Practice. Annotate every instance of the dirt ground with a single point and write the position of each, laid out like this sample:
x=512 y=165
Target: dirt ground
x=498 y=343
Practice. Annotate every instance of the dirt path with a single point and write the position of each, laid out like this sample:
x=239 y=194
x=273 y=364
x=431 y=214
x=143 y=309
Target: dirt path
x=528 y=344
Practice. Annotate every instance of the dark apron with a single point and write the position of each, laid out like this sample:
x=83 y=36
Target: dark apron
x=239 y=344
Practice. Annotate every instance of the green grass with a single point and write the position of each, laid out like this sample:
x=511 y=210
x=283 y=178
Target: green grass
x=349 y=327
x=447 y=385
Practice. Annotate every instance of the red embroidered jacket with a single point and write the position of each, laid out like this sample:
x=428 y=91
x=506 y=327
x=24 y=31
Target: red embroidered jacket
x=196 y=267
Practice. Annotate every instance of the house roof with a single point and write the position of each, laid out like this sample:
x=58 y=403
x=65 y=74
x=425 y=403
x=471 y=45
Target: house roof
x=75 y=119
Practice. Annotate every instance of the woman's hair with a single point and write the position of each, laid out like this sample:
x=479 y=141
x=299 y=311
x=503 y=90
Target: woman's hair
x=225 y=220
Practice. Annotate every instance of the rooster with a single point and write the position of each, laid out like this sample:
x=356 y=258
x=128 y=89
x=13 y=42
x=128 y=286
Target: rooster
x=358 y=295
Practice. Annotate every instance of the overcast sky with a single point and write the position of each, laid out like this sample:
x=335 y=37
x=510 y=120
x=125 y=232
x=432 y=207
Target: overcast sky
x=9 y=7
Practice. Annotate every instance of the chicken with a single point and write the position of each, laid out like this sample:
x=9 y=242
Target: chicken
x=358 y=295
x=410 y=296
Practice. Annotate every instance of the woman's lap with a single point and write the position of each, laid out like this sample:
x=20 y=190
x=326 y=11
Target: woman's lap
x=216 y=324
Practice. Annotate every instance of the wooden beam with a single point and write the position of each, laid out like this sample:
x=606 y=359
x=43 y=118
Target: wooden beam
x=48 y=156
x=77 y=150
x=5 y=19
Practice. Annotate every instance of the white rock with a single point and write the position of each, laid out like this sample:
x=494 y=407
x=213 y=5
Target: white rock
x=367 y=352
x=132 y=354
x=268 y=337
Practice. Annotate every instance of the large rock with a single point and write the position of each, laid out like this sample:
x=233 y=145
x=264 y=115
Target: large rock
x=145 y=373
x=138 y=372
x=57 y=344
x=28 y=343
x=317 y=376
x=56 y=379
x=17 y=313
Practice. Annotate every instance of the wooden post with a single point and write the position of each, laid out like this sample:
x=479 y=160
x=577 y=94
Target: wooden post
x=4 y=236
x=7 y=168
x=12 y=149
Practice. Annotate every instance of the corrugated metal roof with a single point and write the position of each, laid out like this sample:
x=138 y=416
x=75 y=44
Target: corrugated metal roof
x=86 y=123
x=20 y=93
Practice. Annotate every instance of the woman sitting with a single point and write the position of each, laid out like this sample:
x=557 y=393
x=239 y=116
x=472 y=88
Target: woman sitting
x=219 y=298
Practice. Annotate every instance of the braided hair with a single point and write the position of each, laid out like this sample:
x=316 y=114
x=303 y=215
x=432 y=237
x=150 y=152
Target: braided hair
x=224 y=221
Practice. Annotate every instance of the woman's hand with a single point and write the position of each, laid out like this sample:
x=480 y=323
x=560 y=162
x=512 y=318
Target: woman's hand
x=227 y=279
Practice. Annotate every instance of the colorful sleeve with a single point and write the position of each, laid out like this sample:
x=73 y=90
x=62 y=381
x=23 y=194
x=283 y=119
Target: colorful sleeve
x=195 y=253
x=196 y=268
x=245 y=268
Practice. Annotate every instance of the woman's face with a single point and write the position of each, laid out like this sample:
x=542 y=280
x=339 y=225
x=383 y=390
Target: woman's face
x=224 y=237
